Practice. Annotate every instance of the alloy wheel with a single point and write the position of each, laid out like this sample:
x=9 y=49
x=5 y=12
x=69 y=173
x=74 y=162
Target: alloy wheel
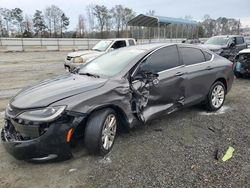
x=109 y=131
x=218 y=96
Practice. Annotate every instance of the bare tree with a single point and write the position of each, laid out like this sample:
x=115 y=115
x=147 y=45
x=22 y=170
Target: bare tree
x=128 y=14
x=117 y=14
x=90 y=17
x=48 y=19
x=56 y=20
x=102 y=15
x=81 y=26
x=28 y=26
x=121 y=15
x=6 y=14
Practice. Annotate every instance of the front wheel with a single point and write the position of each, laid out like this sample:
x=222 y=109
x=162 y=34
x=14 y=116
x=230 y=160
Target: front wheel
x=216 y=96
x=100 y=131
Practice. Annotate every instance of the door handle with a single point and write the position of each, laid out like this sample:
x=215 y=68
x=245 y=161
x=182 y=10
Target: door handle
x=179 y=74
x=209 y=68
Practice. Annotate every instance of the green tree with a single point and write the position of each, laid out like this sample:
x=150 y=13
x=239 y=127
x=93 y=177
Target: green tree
x=64 y=23
x=17 y=18
x=39 y=23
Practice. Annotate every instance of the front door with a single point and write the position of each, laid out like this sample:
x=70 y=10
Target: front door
x=168 y=92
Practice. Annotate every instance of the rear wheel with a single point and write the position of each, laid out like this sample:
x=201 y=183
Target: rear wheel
x=101 y=131
x=216 y=96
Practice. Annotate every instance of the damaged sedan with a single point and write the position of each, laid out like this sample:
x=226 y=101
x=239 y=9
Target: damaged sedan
x=120 y=89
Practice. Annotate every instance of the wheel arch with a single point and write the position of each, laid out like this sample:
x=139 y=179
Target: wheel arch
x=121 y=115
x=223 y=80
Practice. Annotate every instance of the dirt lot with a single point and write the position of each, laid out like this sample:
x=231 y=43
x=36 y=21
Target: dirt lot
x=183 y=149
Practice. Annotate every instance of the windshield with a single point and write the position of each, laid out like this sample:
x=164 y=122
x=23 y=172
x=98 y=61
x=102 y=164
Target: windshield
x=111 y=63
x=102 y=45
x=218 y=41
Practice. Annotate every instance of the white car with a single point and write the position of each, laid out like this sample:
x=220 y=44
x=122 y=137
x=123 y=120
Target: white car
x=75 y=59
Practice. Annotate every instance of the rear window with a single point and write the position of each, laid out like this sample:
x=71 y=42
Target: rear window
x=131 y=42
x=191 y=56
x=119 y=44
x=239 y=40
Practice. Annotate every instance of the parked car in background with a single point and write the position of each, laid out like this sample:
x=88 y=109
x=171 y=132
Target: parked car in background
x=123 y=88
x=247 y=39
x=242 y=64
x=226 y=45
x=191 y=41
x=74 y=59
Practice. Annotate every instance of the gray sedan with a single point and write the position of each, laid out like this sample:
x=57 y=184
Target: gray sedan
x=120 y=89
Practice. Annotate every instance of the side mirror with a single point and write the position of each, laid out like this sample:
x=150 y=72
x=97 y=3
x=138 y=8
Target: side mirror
x=110 y=49
x=231 y=45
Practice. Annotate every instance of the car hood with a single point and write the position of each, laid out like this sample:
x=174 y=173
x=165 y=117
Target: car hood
x=212 y=47
x=53 y=90
x=83 y=53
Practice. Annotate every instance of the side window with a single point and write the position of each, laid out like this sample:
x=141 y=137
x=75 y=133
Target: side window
x=163 y=59
x=191 y=56
x=119 y=44
x=131 y=42
x=239 y=40
x=207 y=55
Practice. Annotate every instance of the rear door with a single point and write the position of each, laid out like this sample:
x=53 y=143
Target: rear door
x=199 y=69
x=240 y=44
x=168 y=94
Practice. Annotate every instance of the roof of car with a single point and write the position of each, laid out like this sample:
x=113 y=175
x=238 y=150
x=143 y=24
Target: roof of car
x=153 y=46
x=228 y=36
x=119 y=39
x=245 y=51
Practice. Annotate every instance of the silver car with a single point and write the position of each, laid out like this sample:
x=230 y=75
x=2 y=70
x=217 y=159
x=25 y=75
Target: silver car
x=75 y=59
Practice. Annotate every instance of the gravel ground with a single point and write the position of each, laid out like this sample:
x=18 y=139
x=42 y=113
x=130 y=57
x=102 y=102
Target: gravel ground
x=183 y=149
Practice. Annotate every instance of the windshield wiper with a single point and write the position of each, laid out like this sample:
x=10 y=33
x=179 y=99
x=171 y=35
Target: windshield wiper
x=89 y=74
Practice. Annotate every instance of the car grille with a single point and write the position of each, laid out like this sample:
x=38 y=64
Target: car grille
x=69 y=58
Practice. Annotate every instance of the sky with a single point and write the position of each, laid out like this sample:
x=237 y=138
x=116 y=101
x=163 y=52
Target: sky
x=238 y=9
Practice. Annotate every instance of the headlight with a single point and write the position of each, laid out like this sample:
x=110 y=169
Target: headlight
x=78 y=60
x=45 y=115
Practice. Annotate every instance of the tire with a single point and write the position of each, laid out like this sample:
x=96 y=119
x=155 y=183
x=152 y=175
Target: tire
x=99 y=137
x=213 y=96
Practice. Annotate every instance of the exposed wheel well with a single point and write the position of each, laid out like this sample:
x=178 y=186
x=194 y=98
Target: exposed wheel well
x=122 y=118
x=223 y=80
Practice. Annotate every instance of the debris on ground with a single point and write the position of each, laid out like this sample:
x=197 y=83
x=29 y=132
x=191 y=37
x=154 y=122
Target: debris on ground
x=229 y=154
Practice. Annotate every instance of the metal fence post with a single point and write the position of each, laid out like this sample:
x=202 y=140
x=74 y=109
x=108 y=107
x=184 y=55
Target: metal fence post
x=58 y=44
x=22 y=44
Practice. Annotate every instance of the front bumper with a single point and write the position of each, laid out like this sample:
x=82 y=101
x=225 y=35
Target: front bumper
x=49 y=145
